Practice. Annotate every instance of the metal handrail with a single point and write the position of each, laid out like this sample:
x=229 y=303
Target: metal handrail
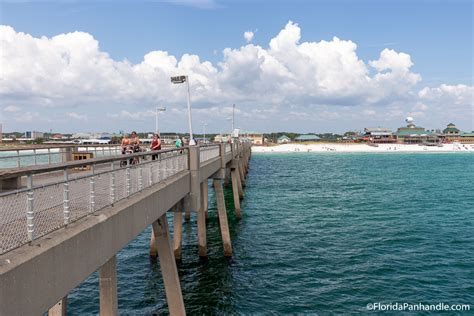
x=22 y=171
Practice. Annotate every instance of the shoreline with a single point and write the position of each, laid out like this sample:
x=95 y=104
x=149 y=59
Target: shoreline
x=363 y=148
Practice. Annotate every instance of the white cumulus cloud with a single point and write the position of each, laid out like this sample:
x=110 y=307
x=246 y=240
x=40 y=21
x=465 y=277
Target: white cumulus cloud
x=248 y=36
x=289 y=75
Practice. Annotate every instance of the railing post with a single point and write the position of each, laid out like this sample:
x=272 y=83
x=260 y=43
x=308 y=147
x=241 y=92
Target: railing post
x=30 y=213
x=18 y=158
x=140 y=177
x=112 y=185
x=151 y=174
x=92 y=190
x=49 y=155
x=34 y=155
x=129 y=184
x=66 y=198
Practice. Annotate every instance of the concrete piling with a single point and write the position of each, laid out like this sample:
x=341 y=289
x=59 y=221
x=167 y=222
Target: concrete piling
x=235 y=191
x=177 y=229
x=239 y=182
x=221 y=211
x=187 y=208
x=201 y=223
x=168 y=267
x=153 y=251
x=60 y=309
x=108 y=287
x=205 y=198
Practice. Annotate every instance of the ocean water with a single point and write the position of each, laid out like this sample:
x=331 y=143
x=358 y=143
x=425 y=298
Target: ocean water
x=320 y=233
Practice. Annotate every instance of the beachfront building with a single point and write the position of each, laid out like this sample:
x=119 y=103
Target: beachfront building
x=379 y=135
x=283 y=139
x=253 y=137
x=307 y=138
x=466 y=138
x=451 y=130
x=412 y=134
x=221 y=138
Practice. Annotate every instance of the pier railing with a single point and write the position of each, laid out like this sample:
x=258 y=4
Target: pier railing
x=208 y=152
x=80 y=188
x=33 y=156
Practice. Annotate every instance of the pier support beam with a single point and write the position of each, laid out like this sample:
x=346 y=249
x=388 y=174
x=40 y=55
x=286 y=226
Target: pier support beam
x=235 y=191
x=60 y=309
x=177 y=229
x=201 y=223
x=168 y=267
x=221 y=211
x=108 y=287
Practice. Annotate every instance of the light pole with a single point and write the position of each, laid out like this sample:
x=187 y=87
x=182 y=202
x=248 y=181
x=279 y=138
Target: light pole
x=156 y=119
x=232 y=120
x=233 y=116
x=204 y=140
x=178 y=80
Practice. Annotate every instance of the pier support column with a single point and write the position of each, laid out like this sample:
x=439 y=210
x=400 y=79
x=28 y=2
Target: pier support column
x=242 y=173
x=205 y=198
x=153 y=250
x=168 y=267
x=177 y=229
x=221 y=211
x=108 y=287
x=239 y=182
x=201 y=223
x=187 y=208
x=60 y=309
x=235 y=191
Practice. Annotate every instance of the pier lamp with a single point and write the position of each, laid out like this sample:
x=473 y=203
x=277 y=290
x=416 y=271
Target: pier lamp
x=183 y=79
x=158 y=110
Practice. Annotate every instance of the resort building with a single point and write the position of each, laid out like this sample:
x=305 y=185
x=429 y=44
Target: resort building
x=452 y=134
x=451 y=130
x=283 y=139
x=378 y=135
x=412 y=134
x=307 y=138
x=466 y=138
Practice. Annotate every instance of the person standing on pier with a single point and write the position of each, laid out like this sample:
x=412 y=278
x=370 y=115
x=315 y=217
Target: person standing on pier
x=125 y=143
x=135 y=142
x=155 y=145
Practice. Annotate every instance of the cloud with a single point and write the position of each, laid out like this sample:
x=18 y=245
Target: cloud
x=12 y=109
x=77 y=116
x=248 y=36
x=289 y=75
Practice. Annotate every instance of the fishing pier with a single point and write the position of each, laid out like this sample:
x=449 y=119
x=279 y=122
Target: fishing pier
x=63 y=220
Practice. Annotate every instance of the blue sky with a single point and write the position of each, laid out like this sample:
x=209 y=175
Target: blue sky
x=437 y=36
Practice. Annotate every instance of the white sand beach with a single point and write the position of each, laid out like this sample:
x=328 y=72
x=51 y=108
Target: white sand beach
x=363 y=148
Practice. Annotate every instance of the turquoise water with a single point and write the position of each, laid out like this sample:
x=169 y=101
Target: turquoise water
x=321 y=233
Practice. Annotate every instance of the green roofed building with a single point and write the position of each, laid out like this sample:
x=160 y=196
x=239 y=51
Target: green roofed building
x=307 y=138
x=412 y=134
x=283 y=139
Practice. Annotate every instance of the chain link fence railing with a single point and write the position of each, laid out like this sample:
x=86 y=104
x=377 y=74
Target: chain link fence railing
x=33 y=212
